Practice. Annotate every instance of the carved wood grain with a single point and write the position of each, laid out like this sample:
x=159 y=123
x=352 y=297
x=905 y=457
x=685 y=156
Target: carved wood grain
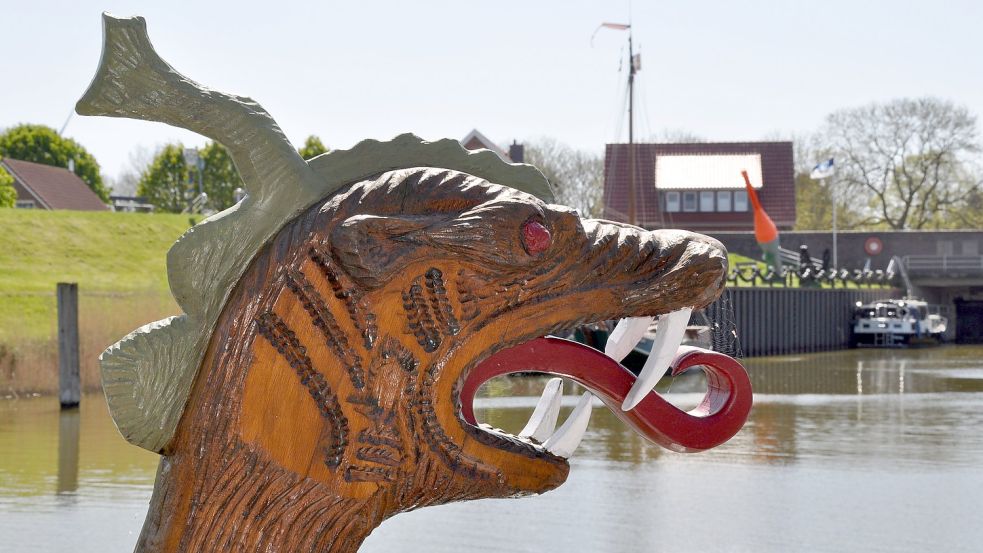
x=327 y=400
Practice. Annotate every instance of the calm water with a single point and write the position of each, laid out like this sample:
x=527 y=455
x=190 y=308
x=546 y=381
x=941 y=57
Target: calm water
x=852 y=451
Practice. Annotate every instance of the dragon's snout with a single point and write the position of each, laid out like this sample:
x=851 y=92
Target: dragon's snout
x=652 y=280
x=660 y=270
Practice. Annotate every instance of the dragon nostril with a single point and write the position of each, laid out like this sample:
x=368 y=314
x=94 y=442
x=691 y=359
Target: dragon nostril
x=535 y=237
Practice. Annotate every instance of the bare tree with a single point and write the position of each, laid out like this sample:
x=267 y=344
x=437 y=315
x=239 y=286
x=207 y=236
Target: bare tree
x=676 y=136
x=903 y=163
x=577 y=176
x=140 y=158
x=969 y=214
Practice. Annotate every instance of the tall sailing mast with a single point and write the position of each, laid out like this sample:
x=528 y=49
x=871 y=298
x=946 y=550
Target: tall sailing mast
x=631 y=131
x=634 y=65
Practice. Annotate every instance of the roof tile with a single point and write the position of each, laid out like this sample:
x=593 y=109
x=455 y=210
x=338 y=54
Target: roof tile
x=56 y=187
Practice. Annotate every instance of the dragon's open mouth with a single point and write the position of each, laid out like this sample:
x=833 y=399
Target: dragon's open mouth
x=719 y=416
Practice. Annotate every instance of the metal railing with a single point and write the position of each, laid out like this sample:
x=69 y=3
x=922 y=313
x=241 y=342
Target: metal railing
x=794 y=258
x=897 y=265
x=940 y=264
x=752 y=274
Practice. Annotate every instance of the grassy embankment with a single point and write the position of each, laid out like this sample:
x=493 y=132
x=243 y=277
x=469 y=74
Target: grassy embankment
x=118 y=261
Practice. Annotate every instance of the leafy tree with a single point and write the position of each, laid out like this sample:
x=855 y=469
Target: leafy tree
x=166 y=182
x=8 y=196
x=577 y=176
x=220 y=178
x=170 y=184
x=814 y=206
x=312 y=147
x=42 y=144
x=905 y=162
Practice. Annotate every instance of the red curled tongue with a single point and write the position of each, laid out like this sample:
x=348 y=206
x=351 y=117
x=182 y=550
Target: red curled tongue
x=720 y=415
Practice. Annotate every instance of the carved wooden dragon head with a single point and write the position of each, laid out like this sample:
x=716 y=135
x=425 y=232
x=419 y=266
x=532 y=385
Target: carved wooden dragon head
x=339 y=320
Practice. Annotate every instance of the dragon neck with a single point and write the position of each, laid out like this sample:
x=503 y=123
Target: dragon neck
x=250 y=505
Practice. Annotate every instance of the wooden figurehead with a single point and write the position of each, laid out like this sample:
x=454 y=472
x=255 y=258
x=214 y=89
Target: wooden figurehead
x=338 y=320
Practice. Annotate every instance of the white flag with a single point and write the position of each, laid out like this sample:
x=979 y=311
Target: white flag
x=823 y=170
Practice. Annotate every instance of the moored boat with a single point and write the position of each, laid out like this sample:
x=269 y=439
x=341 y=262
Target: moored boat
x=896 y=323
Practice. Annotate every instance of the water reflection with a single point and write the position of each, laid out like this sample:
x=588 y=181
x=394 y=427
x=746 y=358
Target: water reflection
x=72 y=452
x=942 y=369
x=69 y=421
x=860 y=450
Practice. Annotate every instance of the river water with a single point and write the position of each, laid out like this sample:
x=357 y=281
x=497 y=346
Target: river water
x=850 y=451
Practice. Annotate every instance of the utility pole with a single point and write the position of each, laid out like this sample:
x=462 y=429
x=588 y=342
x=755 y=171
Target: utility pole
x=193 y=159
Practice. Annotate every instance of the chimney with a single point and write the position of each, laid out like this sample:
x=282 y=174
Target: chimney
x=517 y=152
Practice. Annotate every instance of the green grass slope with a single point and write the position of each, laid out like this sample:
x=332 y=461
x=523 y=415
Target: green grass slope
x=118 y=261
x=107 y=254
x=102 y=251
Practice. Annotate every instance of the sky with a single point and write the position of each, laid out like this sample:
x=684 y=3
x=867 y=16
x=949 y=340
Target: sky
x=515 y=70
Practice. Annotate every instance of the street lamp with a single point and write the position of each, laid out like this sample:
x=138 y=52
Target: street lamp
x=193 y=159
x=823 y=172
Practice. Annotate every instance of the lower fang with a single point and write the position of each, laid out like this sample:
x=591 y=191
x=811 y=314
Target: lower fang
x=543 y=419
x=565 y=440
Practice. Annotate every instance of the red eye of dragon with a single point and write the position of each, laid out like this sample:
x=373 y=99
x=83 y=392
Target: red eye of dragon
x=535 y=237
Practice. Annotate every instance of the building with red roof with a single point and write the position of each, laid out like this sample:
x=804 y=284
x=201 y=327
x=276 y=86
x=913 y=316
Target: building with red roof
x=698 y=186
x=474 y=140
x=41 y=186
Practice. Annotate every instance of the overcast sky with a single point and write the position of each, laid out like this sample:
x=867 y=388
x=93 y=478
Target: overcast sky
x=723 y=70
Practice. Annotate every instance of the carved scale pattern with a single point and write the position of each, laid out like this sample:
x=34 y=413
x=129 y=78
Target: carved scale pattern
x=281 y=337
x=322 y=318
x=392 y=349
x=421 y=410
x=362 y=317
x=382 y=447
x=420 y=318
x=440 y=306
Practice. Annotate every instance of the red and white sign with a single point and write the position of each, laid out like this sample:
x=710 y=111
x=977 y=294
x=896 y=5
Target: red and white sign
x=873 y=245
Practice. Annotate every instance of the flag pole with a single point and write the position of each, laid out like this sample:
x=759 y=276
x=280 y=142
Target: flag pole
x=823 y=172
x=832 y=195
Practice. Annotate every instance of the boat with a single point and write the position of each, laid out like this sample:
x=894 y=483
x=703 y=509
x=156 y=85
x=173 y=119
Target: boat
x=896 y=323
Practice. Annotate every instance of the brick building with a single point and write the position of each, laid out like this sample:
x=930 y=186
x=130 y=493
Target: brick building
x=698 y=186
x=474 y=140
x=41 y=186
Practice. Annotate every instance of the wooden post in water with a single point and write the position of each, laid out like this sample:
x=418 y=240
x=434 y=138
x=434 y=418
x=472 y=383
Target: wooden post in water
x=69 y=388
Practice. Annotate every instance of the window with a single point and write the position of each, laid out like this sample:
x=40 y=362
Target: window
x=740 y=200
x=723 y=200
x=706 y=200
x=25 y=204
x=672 y=202
x=689 y=201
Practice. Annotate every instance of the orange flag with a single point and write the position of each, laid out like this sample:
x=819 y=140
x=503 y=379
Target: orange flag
x=765 y=231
